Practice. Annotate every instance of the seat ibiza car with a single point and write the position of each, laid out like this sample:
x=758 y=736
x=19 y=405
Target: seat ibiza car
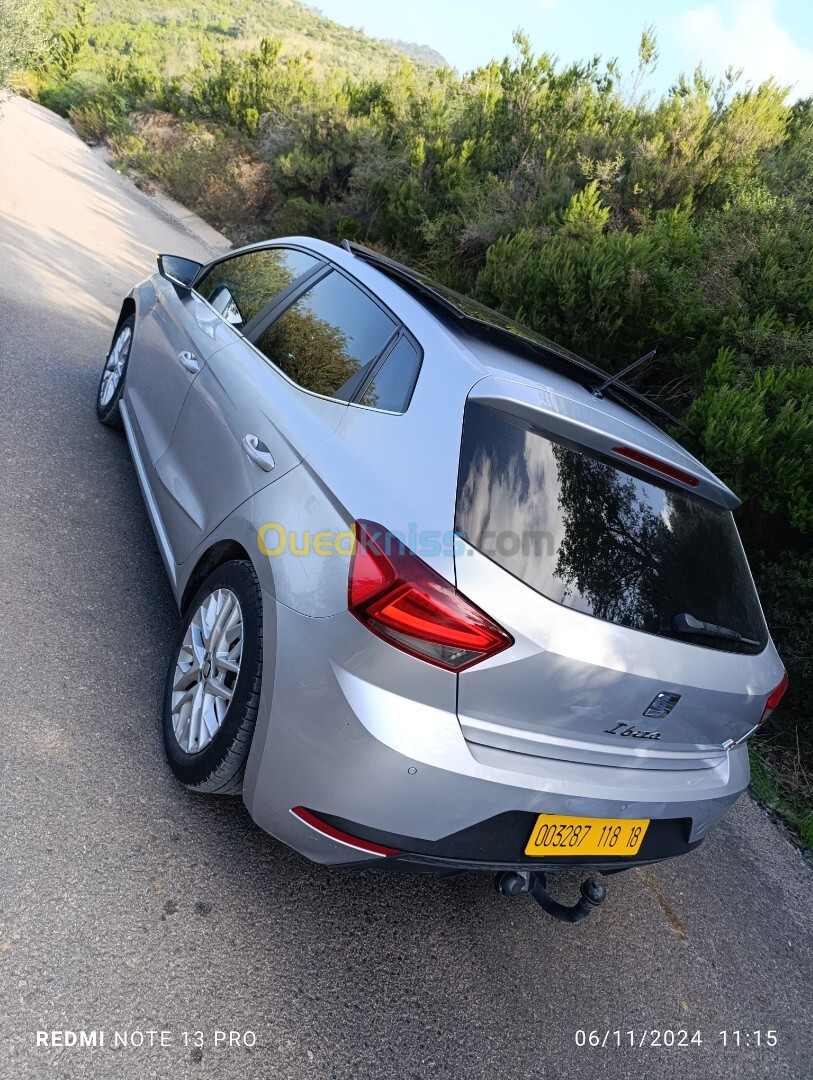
x=450 y=600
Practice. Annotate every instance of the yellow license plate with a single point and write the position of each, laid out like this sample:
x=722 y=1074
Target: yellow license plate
x=554 y=834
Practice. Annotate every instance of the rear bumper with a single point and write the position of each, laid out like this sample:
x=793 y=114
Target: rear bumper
x=368 y=738
x=499 y=843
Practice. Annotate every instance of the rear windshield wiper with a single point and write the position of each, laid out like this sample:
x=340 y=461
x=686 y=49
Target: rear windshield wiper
x=688 y=624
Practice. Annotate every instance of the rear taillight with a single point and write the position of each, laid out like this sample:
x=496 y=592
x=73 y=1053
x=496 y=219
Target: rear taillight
x=404 y=601
x=774 y=698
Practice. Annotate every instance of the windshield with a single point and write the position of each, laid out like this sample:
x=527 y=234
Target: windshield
x=607 y=541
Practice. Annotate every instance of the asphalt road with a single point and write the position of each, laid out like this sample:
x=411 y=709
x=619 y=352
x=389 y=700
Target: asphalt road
x=130 y=905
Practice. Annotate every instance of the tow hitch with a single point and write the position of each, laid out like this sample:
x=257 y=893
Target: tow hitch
x=532 y=883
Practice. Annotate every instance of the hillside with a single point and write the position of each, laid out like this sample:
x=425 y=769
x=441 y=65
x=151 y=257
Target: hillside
x=174 y=37
x=418 y=54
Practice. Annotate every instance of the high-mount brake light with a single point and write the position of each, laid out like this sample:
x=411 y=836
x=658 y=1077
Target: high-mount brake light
x=659 y=466
x=401 y=599
x=774 y=698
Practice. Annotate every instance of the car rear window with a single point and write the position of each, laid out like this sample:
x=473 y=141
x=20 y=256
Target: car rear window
x=608 y=541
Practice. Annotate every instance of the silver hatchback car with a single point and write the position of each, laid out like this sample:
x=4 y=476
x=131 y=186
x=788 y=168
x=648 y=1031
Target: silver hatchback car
x=450 y=600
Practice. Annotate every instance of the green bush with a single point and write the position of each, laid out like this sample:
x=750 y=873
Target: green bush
x=783 y=788
x=22 y=35
x=756 y=430
x=786 y=586
x=73 y=93
x=99 y=120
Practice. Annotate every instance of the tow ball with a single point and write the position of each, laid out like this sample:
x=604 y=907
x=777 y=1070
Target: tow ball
x=533 y=883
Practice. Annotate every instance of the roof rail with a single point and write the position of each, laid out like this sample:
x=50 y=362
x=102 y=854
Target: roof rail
x=478 y=319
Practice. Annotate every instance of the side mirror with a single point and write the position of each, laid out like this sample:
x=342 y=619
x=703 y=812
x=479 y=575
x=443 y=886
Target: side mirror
x=178 y=270
x=223 y=301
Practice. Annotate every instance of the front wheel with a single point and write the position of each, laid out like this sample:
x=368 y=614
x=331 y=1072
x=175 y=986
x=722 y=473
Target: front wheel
x=111 y=384
x=212 y=690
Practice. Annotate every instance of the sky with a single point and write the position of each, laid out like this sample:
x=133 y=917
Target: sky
x=764 y=37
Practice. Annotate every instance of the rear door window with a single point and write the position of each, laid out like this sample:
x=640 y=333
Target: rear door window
x=610 y=542
x=241 y=286
x=329 y=340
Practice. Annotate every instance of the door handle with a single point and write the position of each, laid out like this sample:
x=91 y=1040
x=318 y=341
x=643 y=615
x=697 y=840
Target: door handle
x=258 y=452
x=189 y=361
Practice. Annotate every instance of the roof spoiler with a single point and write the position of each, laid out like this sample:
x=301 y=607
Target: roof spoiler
x=593 y=378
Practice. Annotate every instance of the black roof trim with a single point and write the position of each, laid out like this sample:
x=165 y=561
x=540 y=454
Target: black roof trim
x=591 y=377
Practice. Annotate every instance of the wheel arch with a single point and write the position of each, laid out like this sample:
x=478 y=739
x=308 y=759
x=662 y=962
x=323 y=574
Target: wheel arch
x=128 y=308
x=221 y=552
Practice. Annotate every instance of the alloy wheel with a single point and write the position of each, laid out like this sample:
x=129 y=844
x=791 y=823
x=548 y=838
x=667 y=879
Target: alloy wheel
x=206 y=670
x=113 y=369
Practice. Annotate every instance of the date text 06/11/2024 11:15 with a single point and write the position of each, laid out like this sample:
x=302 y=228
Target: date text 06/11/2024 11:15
x=681 y=1037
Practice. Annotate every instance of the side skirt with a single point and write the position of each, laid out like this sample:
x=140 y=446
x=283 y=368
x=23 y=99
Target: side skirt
x=149 y=499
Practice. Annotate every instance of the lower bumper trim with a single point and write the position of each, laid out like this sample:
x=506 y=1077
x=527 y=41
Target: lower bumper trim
x=498 y=843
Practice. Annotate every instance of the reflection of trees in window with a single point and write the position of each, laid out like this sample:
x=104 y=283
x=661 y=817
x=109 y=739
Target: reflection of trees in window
x=256 y=277
x=511 y=458
x=614 y=545
x=371 y=396
x=310 y=350
x=639 y=564
x=501 y=478
x=625 y=549
x=494 y=492
x=704 y=567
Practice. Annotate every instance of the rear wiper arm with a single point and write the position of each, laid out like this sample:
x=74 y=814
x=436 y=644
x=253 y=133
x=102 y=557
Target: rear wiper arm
x=688 y=624
x=598 y=391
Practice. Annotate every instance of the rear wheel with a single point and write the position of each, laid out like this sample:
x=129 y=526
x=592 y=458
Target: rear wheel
x=213 y=683
x=111 y=384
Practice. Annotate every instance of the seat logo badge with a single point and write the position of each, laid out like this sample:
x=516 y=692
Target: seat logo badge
x=661 y=705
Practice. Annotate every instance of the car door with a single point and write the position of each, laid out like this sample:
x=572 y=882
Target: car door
x=262 y=405
x=184 y=328
x=174 y=339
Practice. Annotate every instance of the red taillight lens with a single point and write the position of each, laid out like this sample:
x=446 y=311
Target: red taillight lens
x=774 y=698
x=657 y=465
x=370 y=573
x=404 y=601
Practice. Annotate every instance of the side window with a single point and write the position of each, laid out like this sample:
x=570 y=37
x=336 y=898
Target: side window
x=392 y=386
x=240 y=287
x=328 y=340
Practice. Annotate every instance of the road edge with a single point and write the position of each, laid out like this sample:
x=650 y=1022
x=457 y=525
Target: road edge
x=168 y=208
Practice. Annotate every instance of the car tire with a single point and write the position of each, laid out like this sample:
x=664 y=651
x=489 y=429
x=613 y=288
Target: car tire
x=206 y=737
x=111 y=384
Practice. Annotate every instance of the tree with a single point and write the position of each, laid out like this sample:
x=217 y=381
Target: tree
x=21 y=36
x=66 y=44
